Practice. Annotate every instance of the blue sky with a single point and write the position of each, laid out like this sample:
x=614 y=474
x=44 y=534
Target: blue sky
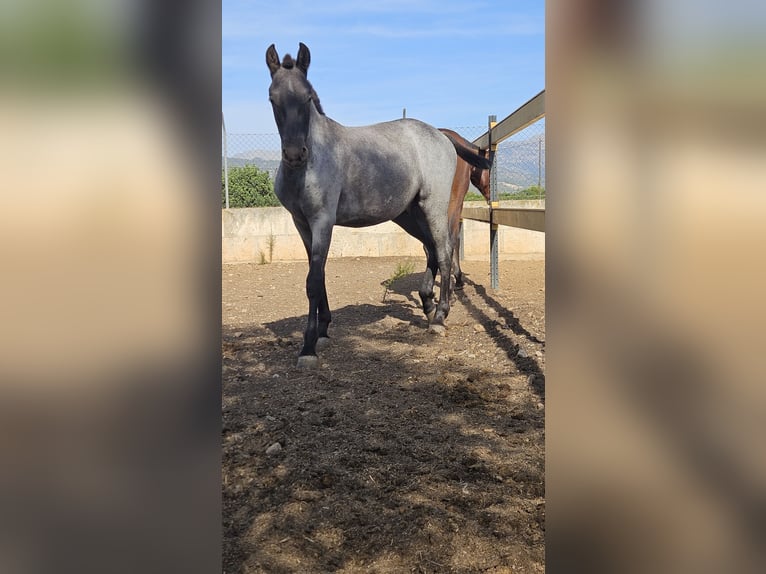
x=450 y=63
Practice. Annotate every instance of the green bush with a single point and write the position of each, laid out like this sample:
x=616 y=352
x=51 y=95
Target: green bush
x=532 y=192
x=248 y=187
x=473 y=196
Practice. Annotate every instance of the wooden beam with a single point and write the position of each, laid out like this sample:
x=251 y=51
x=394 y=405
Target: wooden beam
x=477 y=213
x=533 y=219
x=529 y=218
x=526 y=115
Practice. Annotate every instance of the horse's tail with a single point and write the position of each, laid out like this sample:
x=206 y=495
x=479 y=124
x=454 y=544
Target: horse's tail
x=473 y=158
x=468 y=151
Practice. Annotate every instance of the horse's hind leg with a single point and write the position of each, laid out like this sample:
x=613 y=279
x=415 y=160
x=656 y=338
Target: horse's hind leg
x=440 y=255
x=439 y=260
x=426 y=290
x=412 y=221
x=457 y=272
x=442 y=309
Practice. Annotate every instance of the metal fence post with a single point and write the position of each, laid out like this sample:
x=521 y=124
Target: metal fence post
x=494 y=271
x=225 y=161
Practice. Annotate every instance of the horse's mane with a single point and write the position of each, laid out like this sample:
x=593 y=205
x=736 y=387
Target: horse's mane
x=315 y=99
x=288 y=63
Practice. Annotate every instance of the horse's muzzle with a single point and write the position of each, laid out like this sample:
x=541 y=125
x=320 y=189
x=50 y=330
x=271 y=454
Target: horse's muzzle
x=295 y=156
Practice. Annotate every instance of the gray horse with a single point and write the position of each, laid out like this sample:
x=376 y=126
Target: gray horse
x=399 y=171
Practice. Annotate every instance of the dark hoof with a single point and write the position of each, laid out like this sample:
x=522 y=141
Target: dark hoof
x=308 y=362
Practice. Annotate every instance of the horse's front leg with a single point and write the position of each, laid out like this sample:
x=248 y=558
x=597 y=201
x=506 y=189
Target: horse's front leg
x=324 y=316
x=316 y=292
x=323 y=320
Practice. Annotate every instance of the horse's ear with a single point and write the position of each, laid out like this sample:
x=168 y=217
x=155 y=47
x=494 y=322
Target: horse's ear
x=272 y=59
x=304 y=58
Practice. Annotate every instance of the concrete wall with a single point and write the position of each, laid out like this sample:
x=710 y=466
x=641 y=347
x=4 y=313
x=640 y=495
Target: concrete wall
x=246 y=235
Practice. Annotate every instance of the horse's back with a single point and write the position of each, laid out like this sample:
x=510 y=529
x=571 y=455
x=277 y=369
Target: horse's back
x=415 y=137
x=382 y=168
x=418 y=152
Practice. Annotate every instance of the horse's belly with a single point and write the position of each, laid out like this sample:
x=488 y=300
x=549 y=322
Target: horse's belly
x=364 y=216
x=361 y=222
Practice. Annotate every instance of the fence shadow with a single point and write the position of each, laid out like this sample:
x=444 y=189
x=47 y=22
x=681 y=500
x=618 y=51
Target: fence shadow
x=502 y=339
x=497 y=331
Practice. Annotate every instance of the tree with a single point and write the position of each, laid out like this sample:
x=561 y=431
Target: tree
x=248 y=187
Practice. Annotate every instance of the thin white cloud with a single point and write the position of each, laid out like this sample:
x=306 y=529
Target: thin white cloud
x=313 y=19
x=467 y=31
x=301 y=8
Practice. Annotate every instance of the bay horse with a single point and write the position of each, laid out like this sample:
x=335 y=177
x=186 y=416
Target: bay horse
x=465 y=173
x=330 y=174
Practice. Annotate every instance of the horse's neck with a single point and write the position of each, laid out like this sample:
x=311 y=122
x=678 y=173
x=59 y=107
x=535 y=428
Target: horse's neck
x=321 y=126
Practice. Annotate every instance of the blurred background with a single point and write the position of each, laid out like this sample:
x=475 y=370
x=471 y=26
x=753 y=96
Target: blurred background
x=110 y=291
x=110 y=230
x=655 y=272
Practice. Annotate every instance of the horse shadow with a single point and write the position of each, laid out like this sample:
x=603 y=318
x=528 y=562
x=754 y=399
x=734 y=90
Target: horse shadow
x=407 y=287
x=351 y=317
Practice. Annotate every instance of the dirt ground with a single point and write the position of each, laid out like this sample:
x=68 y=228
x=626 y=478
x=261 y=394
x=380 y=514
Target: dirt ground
x=406 y=451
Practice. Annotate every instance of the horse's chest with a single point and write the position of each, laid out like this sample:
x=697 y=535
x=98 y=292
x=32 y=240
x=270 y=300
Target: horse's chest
x=306 y=197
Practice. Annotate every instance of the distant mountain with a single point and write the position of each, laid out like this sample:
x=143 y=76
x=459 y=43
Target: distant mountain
x=260 y=154
x=520 y=163
x=267 y=160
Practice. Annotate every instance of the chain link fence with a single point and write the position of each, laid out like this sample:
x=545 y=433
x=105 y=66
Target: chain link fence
x=519 y=162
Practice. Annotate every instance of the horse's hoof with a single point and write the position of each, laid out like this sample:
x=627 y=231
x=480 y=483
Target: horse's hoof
x=458 y=286
x=323 y=343
x=431 y=315
x=308 y=362
x=437 y=329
